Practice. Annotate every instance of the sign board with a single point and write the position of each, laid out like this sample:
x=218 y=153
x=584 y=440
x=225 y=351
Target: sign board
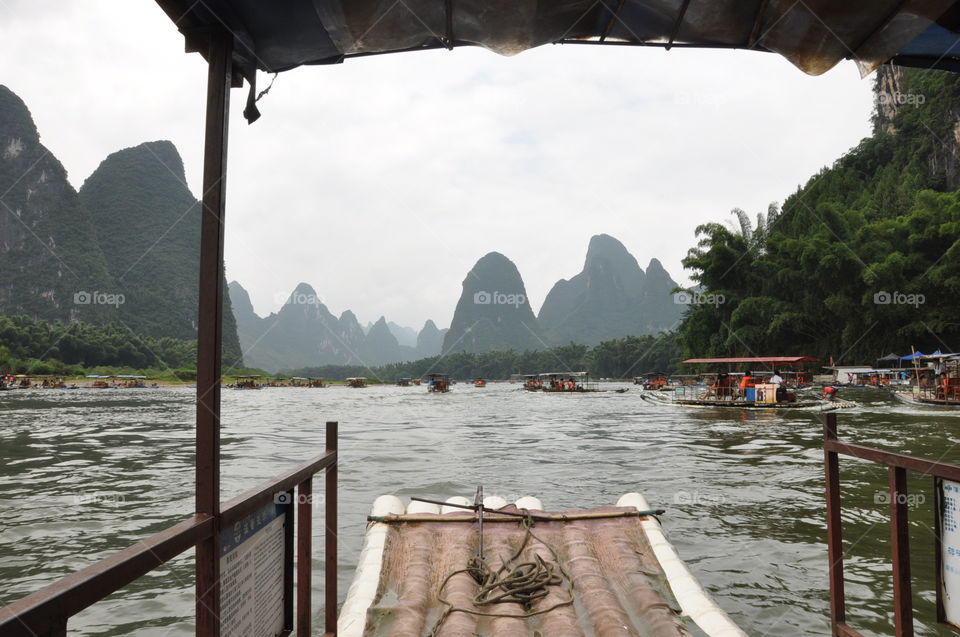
x=252 y=574
x=950 y=550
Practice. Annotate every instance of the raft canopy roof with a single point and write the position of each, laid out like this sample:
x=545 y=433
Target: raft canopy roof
x=761 y=360
x=814 y=35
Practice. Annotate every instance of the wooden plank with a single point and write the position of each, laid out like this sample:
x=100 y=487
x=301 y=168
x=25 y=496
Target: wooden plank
x=831 y=464
x=246 y=503
x=304 y=557
x=330 y=536
x=893 y=459
x=900 y=550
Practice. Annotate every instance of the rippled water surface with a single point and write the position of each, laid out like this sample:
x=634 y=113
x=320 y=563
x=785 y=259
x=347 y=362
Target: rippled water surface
x=84 y=473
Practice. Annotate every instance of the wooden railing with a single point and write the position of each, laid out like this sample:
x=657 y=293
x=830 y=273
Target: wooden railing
x=897 y=466
x=45 y=613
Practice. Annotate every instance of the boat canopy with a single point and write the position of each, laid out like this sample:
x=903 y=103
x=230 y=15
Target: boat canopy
x=814 y=35
x=569 y=374
x=762 y=360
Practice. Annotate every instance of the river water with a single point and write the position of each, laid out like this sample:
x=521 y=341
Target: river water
x=85 y=473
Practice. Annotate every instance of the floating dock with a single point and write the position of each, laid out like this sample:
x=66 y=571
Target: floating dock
x=516 y=570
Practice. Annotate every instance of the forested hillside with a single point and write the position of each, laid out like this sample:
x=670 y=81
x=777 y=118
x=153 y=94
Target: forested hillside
x=862 y=260
x=122 y=254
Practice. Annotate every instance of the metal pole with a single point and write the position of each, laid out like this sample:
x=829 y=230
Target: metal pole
x=831 y=462
x=330 y=544
x=209 y=325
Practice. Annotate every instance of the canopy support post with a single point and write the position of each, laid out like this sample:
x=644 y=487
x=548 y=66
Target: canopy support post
x=210 y=325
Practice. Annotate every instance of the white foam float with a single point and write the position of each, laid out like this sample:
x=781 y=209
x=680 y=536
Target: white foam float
x=694 y=601
x=363 y=591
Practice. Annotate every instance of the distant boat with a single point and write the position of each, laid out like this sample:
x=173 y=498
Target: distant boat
x=100 y=382
x=301 y=381
x=248 y=382
x=653 y=380
x=745 y=390
x=936 y=386
x=404 y=382
x=131 y=382
x=479 y=383
x=357 y=382
x=566 y=382
x=438 y=383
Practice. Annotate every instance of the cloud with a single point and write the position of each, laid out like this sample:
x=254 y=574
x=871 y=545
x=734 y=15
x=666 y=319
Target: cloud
x=382 y=180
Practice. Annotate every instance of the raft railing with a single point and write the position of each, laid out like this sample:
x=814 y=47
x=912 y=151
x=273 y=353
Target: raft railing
x=46 y=612
x=897 y=465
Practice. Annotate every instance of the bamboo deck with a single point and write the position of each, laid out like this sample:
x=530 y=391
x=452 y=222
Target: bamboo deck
x=618 y=575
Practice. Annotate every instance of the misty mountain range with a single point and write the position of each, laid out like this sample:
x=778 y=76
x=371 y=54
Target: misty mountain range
x=612 y=297
x=124 y=249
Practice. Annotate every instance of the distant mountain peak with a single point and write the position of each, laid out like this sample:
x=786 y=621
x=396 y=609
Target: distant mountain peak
x=612 y=297
x=16 y=123
x=655 y=267
x=493 y=311
x=240 y=299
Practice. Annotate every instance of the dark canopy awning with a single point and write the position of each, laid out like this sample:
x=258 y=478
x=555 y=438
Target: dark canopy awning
x=769 y=360
x=813 y=34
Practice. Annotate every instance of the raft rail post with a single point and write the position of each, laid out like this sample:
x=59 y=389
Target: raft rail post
x=900 y=553
x=304 y=555
x=330 y=536
x=898 y=464
x=210 y=325
x=831 y=462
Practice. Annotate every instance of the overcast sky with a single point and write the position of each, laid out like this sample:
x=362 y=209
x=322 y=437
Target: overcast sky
x=382 y=180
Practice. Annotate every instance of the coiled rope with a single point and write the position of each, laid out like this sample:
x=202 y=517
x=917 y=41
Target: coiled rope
x=522 y=584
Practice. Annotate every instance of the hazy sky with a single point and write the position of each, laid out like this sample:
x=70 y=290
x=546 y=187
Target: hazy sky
x=382 y=180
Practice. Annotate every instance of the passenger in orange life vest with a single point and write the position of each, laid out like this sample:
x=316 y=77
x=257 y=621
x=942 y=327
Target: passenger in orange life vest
x=746 y=381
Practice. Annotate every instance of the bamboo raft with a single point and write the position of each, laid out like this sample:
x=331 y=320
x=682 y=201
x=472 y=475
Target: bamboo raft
x=657 y=398
x=607 y=571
